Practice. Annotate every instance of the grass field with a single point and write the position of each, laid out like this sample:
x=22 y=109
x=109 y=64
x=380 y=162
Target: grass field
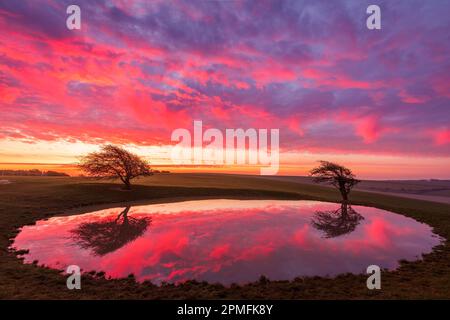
x=28 y=199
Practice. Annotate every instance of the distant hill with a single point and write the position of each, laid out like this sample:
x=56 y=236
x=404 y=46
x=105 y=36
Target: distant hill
x=32 y=172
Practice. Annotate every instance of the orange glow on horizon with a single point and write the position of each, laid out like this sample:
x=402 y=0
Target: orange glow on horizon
x=62 y=156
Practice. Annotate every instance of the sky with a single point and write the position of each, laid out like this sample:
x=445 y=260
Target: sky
x=375 y=100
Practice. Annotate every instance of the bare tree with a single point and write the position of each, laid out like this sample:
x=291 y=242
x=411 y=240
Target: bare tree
x=115 y=162
x=108 y=235
x=337 y=222
x=336 y=175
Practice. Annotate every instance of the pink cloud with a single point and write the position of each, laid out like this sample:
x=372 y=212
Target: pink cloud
x=442 y=137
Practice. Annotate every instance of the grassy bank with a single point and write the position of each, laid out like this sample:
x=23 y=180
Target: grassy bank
x=28 y=199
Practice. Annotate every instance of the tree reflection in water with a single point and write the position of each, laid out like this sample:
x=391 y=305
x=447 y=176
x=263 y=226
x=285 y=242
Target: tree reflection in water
x=334 y=223
x=106 y=236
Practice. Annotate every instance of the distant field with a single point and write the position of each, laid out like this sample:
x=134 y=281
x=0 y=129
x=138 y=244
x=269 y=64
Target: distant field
x=431 y=190
x=27 y=199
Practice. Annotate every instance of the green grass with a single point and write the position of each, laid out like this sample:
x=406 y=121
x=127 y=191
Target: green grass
x=28 y=199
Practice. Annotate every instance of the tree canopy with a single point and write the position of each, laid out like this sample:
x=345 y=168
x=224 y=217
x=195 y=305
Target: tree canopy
x=336 y=175
x=115 y=162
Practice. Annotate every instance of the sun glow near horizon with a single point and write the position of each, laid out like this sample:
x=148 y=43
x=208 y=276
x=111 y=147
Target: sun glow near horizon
x=63 y=156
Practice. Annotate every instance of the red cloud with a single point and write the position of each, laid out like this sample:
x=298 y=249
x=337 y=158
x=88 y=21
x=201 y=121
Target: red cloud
x=442 y=137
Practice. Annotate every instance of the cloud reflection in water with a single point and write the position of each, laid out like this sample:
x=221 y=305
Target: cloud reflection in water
x=227 y=241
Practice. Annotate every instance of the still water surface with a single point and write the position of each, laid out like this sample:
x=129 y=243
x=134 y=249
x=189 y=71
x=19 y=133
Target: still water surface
x=227 y=241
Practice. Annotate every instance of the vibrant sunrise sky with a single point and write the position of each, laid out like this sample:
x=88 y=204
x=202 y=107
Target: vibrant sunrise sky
x=375 y=100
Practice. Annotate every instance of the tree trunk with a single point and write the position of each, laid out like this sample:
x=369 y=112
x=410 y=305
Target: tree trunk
x=344 y=211
x=344 y=195
x=127 y=184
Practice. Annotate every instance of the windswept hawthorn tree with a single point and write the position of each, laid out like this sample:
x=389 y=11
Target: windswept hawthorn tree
x=115 y=162
x=336 y=175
